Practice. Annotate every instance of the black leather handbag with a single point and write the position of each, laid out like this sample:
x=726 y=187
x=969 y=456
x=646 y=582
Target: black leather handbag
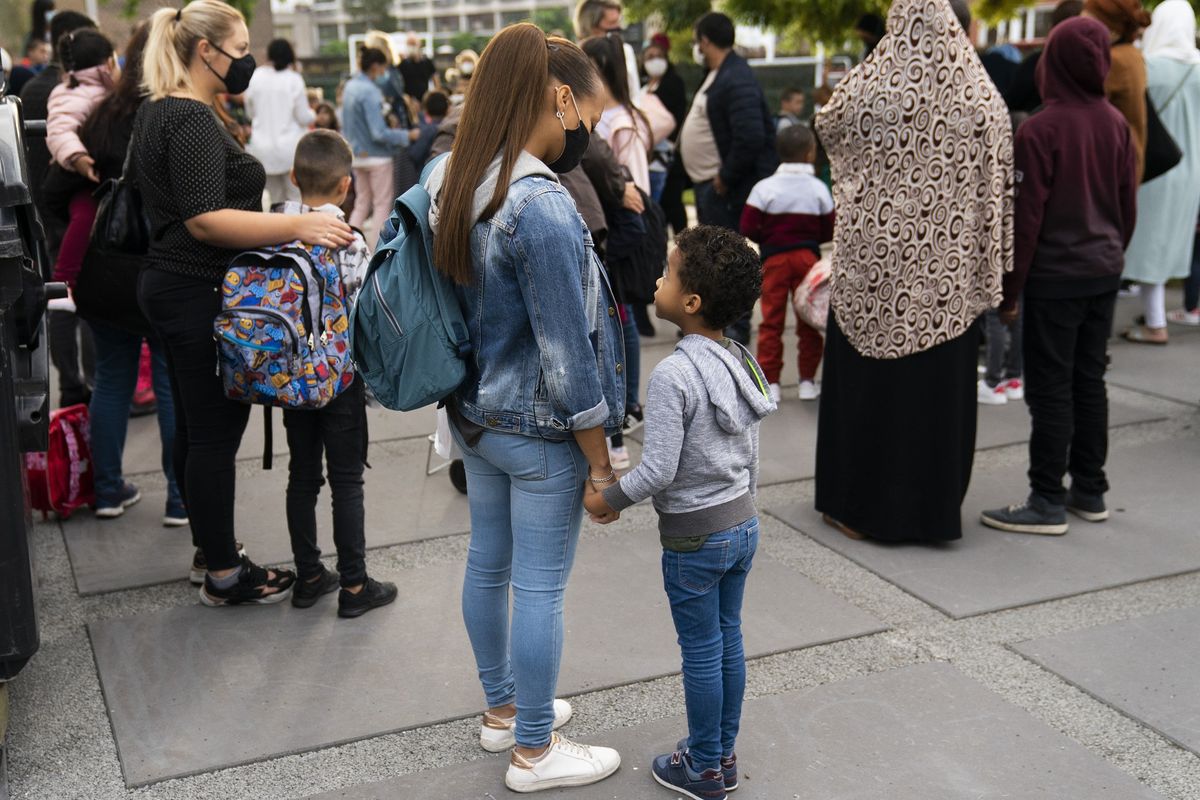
x=121 y=225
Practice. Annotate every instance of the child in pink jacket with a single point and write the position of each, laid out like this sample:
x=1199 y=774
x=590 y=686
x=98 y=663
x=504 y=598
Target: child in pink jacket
x=92 y=71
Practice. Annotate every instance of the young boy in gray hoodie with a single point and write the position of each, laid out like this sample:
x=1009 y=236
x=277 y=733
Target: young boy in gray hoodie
x=700 y=465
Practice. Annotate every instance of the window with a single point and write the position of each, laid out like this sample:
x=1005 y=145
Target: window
x=446 y=24
x=285 y=32
x=481 y=23
x=327 y=34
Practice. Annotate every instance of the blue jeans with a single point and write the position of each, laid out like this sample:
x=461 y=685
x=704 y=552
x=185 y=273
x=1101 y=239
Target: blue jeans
x=705 y=589
x=118 y=353
x=633 y=357
x=526 y=498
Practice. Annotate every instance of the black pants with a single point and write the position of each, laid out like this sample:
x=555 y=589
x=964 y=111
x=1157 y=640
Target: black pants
x=1064 y=343
x=208 y=425
x=339 y=432
x=73 y=356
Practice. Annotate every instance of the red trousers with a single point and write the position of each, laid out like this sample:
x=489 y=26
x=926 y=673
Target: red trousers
x=77 y=237
x=782 y=273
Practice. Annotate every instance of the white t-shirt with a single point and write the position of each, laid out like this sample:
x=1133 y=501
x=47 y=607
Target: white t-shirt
x=277 y=106
x=697 y=146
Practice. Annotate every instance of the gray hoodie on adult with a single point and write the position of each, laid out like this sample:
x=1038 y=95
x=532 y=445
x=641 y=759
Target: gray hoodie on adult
x=700 y=460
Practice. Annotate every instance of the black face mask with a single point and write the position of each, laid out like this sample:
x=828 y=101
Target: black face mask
x=575 y=143
x=237 y=77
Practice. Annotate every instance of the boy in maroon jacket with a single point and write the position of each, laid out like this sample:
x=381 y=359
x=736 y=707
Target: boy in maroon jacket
x=1075 y=212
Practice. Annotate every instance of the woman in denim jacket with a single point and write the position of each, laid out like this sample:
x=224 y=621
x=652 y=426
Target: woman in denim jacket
x=544 y=384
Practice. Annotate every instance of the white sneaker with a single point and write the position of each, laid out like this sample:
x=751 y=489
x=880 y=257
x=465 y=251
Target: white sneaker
x=773 y=390
x=619 y=457
x=1181 y=316
x=564 y=763
x=497 y=734
x=988 y=396
x=809 y=390
x=1014 y=389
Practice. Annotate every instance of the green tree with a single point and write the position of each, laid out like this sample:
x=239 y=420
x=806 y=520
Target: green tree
x=552 y=19
x=465 y=40
x=375 y=14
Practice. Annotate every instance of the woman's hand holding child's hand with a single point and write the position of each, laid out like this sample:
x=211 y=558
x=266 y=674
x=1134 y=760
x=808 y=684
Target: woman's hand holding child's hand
x=598 y=510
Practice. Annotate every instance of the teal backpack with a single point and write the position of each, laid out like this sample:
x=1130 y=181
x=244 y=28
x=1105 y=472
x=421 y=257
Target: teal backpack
x=407 y=333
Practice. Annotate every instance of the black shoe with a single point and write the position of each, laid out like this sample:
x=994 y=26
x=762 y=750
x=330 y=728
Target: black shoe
x=634 y=419
x=373 y=595
x=306 y=593
x=253 y=587
x=458 y=475
x=200 y=564
x=1035 y=515
x=1089 y=507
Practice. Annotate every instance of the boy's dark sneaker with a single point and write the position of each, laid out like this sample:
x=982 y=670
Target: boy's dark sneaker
x=200 y=564
x=729 y=771
x=373 y=595
x=674 y=771
x=113 y=507
x=1035 y=515
x=1087 y=506
x=635 y=418
x=306 y=593
x=251 y=588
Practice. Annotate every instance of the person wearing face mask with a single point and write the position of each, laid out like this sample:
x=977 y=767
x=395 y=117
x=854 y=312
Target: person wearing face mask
x=664 y=82
x=202 y=195
x=544 y=386
x=465 y=62
x=373 y=142
x=728 y=138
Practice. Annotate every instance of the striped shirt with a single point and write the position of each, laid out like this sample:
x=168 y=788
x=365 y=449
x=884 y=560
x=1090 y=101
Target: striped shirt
x=789 y=210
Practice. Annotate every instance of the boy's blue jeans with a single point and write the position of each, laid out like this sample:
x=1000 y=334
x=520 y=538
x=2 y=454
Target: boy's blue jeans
x=526 y=498
x=705 y=589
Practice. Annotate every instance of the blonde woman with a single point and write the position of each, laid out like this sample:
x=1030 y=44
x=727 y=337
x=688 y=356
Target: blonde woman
x=203 y=196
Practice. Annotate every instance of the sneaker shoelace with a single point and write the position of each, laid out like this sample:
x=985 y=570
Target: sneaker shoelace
x=568 y=746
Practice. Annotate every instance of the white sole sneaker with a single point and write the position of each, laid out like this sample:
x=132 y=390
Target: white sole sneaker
x=499 y=739
x=1089 y=516
x=112 y=512
x=175 y=522
x=808 y=391
x=564 y=764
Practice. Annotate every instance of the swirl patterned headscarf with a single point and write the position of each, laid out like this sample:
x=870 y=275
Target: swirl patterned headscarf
x=921 y=148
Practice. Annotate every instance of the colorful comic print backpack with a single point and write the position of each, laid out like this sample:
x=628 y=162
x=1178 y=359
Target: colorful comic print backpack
x=283 y=330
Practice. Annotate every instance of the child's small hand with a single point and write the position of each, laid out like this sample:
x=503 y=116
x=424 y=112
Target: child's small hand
x=597 y=508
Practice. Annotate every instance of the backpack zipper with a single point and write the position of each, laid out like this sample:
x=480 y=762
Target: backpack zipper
x=387 y=312
x=266 y=313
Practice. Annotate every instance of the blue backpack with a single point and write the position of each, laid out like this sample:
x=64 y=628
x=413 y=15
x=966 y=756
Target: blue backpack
x=407 y=333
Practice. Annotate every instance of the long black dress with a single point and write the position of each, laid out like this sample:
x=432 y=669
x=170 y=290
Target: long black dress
x=896 y=438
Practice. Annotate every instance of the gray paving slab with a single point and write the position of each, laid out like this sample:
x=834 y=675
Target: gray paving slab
x=185 y=687
x=788 y=441
x=1172 y=371
x=1152 y=533
x=403 y=505
x=1144 y=667
x=142 y=446
x=920 y=733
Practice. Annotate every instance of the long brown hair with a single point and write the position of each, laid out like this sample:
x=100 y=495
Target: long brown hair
x=507 y=98
x=608 y=54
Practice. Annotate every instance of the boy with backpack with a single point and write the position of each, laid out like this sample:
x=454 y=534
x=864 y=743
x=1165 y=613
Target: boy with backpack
x=790 y=215
x=322 y=172
x=1076 y=202
x=700 y=464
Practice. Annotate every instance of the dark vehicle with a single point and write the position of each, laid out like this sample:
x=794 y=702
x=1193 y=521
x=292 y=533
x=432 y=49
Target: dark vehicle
x=24 y=391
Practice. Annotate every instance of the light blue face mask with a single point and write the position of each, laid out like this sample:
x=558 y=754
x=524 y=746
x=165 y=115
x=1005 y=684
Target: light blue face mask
x=382 y=81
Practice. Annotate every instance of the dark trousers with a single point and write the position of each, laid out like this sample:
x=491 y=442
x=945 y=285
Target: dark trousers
x=1065 y=341
x=672 y=197
x=337 y=431
x=724 y=212
x=73 y=356
x=208 y=425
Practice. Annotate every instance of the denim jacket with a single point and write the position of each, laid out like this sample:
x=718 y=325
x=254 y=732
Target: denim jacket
x=548 y=356
x=363 y=122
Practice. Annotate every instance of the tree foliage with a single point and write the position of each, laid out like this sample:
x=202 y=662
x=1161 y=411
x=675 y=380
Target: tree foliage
x=552 y=19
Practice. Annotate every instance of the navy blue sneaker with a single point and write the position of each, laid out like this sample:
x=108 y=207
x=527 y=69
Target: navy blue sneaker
x=674 y=771
x=1035 y=515
x=729 y=771
x=176 y=515
x=113 y=507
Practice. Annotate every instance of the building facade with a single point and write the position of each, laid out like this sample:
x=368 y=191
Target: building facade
x=314 y=25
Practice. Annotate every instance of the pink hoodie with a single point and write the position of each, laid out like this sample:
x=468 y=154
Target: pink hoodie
x=69 y=107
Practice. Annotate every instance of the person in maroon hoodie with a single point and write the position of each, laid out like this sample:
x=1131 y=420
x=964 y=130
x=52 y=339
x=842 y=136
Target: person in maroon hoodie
x=1076 y=205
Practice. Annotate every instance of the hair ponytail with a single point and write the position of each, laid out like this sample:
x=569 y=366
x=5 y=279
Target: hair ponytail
x=510 y=83
x=83 y=49
x=174 y=36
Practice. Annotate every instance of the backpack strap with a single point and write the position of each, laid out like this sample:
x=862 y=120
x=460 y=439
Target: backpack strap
x=1186 y=75
x=268 y=445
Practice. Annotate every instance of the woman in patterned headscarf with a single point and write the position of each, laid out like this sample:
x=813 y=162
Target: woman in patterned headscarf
x=921 y=149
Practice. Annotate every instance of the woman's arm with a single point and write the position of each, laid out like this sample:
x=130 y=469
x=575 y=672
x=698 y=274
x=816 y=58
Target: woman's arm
x=301 y=112
x=236 y=229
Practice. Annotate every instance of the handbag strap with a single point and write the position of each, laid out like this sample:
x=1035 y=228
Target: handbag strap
x=1186 y=75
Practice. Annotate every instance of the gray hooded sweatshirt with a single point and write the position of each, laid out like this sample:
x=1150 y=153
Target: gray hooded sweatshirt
x=700 y=460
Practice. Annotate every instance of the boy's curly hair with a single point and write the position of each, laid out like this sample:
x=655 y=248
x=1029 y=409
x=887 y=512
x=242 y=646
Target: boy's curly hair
x=720 y=266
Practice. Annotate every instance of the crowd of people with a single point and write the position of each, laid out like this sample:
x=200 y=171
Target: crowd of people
x=993 y=200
